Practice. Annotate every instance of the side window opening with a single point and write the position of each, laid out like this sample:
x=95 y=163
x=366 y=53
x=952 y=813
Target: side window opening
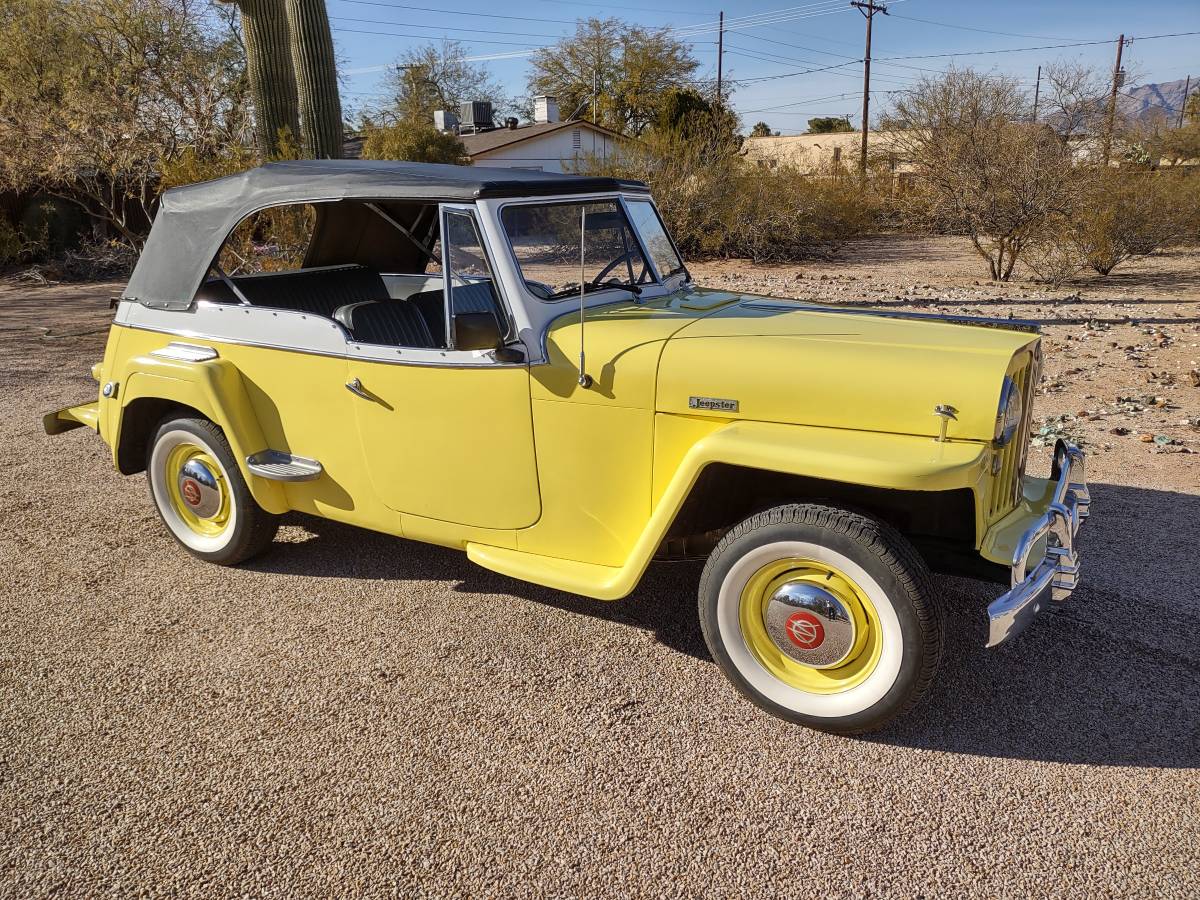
x=376 y=268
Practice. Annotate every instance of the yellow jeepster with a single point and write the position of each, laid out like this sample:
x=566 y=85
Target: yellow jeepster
x=518 y=365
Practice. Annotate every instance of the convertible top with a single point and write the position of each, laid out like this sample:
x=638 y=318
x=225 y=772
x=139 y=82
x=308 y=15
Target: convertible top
x=193 y=221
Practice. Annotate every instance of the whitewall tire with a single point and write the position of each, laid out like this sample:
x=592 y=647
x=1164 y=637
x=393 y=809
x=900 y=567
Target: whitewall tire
x=822 y=616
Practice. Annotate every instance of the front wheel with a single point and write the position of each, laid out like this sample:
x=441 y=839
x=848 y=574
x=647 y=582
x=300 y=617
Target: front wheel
x=822 y=616
x=201 y=495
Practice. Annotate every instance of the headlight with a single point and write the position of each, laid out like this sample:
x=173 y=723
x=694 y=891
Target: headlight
x=1008 y=416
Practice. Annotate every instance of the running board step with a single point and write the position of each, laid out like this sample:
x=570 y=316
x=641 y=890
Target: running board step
x=279 y=466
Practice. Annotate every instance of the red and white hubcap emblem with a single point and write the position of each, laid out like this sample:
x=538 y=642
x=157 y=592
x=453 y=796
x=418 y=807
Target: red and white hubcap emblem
x=805 y=630
x=191 y=492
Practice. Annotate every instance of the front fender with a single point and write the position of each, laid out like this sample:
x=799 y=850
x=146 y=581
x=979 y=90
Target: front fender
x=213 y=388
x=890 y=461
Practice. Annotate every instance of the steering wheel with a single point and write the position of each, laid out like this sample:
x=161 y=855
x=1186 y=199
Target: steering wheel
x=623 y=258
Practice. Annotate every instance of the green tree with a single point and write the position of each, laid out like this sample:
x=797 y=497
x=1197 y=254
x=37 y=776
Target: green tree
x=98 y=97
x=688 y=115
x=433 y=77
x=761 y=129
x=631 y=67
x=414 y=141
x=829 y=125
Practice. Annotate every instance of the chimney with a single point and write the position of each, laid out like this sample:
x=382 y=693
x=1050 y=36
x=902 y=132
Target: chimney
x=545 y=110
x=444 y=120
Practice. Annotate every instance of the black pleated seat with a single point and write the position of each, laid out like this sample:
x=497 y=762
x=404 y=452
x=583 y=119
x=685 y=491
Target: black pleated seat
x=396 y=323
x=316 y=291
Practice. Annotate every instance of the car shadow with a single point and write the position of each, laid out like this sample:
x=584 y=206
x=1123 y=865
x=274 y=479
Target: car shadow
x=1112 y=677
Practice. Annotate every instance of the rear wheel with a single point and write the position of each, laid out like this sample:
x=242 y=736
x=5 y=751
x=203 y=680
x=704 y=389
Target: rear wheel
x=201 y=495
x=822 y=616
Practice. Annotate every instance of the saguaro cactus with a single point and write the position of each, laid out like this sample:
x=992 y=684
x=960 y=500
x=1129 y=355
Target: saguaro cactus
x=316 y=78
x=269 y=66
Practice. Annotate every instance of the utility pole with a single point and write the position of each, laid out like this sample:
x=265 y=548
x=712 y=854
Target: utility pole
x=1187 y=86
x=720 y=51
x=868 y=8
x=1118 y=77
x=1037 y=92
x=595 y=92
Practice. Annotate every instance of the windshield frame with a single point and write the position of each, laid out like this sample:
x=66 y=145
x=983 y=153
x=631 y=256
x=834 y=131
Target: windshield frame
x=663 y=277
x=580 y=200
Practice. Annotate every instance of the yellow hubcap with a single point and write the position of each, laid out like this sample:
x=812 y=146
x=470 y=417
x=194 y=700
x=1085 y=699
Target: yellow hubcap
x=197 y=489
x=810 y=625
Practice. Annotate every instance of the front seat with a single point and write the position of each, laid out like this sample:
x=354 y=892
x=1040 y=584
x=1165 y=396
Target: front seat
x=396 y=323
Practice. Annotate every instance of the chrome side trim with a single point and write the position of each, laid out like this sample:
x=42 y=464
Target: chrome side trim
x=1056 y=575
x=276 y=465
x=487 y=362
x=981 y=321
x=185 y=352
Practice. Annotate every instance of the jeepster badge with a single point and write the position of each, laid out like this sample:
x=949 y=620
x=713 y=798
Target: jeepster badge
x=715 y=403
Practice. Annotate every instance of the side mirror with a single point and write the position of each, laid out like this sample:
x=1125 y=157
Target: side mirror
x=476 y=331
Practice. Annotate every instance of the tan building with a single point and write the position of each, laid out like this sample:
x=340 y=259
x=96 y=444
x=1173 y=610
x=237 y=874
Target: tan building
x=820 y=154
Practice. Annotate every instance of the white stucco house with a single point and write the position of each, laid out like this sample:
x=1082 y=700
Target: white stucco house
x=546 y=145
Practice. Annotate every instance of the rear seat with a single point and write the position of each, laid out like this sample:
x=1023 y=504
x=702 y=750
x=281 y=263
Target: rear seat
x=316 y=291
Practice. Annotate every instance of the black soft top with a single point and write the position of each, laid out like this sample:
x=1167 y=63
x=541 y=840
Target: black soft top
x=193 y=221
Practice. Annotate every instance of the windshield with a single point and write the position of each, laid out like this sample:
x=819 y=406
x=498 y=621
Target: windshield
x=654 y=235
x=545 y=239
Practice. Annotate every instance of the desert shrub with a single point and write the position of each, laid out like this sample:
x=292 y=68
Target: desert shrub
x=415 y=142
x=17 y=247
x=1126 y=214
x=1117 y=214
x=717 y=205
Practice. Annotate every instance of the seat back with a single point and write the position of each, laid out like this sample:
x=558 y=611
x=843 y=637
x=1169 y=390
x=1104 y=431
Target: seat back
x=396 y=323
x=316 y=291
x=476 y=297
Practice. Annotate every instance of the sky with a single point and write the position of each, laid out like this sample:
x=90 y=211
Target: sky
x=788 y=63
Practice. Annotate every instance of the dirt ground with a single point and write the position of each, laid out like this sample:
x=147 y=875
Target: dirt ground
x=354 y=714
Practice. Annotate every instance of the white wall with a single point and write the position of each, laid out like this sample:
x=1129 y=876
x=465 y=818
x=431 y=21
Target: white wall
x=553 y=152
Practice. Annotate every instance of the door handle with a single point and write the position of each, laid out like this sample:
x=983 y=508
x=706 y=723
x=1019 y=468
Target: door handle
x=355 y=387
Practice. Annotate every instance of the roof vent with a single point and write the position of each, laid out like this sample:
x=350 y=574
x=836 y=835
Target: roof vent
x=476 y=115
x=511 y=123
x=545 y=110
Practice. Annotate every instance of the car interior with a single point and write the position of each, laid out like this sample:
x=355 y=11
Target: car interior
x=350 y=273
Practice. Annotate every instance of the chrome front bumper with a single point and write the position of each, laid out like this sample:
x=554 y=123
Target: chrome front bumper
x=1057 y=574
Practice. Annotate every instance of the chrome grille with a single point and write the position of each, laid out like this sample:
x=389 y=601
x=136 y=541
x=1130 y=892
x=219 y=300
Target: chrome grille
x=1007 y=482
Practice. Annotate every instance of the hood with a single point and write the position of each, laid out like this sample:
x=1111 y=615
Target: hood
x=776 y=360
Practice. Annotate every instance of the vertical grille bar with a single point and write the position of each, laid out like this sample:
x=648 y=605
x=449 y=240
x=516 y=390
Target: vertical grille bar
x=1004 y=489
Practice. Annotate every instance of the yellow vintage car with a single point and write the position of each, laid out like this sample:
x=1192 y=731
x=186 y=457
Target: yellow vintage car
x=518 y=365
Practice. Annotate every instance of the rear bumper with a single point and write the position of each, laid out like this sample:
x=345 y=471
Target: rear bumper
x=73 y=417
x=1036 y=582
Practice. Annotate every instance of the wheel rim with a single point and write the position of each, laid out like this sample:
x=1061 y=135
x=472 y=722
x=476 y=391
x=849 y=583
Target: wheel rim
x=197 y=489
x=810 y=625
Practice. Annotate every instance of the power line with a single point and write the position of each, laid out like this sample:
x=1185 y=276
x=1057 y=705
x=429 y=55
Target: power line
x=1037 y=37
x=441 y=28
x=458 y=12
x=429 y=37
x=1149 y=37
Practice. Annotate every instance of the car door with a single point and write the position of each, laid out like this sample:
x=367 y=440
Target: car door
x=447 y=433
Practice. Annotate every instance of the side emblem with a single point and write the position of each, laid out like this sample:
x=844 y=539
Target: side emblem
x=715 y=403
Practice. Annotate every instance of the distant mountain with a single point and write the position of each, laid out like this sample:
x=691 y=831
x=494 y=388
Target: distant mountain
x=1150 y=101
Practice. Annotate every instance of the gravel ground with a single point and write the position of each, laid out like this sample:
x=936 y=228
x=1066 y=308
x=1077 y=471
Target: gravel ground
x=356 y=714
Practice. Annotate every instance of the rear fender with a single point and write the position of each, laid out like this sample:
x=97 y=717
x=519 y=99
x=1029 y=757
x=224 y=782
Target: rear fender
x=213 y=388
